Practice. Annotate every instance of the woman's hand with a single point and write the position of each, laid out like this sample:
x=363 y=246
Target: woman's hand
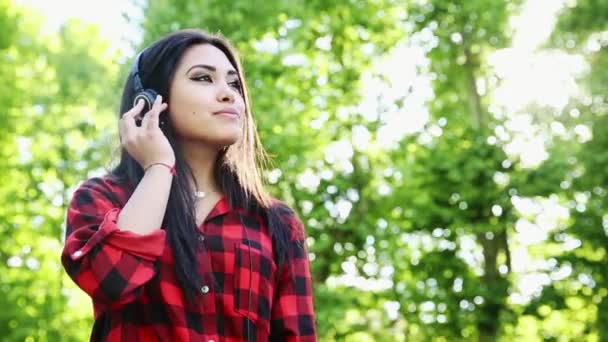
x=146 y=143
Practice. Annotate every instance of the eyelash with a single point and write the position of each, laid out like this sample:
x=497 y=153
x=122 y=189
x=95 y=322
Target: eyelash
x=234 y=84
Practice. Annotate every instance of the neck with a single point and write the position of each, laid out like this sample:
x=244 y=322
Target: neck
x=201 y=158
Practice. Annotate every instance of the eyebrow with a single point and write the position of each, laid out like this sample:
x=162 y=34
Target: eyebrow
x=210 y=68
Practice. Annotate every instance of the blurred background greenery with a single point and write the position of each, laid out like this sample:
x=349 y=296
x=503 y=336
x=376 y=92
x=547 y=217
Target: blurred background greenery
x=447 y=157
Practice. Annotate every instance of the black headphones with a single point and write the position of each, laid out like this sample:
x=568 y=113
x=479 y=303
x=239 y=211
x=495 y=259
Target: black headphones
x=148 y=95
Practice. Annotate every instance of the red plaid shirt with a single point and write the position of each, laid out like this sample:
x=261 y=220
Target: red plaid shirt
x=132 y=281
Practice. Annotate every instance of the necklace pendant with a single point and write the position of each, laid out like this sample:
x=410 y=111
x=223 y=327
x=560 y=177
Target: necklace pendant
x=200 y=194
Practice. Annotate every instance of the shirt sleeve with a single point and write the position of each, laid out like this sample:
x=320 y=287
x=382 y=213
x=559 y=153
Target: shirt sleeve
x=109 y=264
x=292 y=315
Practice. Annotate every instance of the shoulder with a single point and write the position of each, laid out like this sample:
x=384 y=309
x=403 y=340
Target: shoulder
x=103 y=188
x=282 y=207
x=289 y=217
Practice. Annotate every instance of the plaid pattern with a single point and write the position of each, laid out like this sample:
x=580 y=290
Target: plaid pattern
x=136 y=296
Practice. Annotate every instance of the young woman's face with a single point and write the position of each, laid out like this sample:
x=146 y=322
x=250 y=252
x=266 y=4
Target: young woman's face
x=205 y=102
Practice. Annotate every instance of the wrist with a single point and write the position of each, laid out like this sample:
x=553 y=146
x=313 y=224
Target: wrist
x=169 y=166
x=169 y=160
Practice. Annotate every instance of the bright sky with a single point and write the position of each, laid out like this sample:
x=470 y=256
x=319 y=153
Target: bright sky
x=527 y=75
x=107 y=14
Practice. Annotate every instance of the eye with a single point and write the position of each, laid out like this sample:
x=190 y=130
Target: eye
x=206 y=78
x=235 y=84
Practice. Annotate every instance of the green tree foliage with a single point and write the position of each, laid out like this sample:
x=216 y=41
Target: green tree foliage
x=55 y=114
x=581 y=28
x=450 y=194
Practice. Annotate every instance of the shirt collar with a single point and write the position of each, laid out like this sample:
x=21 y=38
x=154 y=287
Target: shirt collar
x=221 y=207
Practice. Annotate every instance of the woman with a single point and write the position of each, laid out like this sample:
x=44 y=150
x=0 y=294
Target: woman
x=180 y=242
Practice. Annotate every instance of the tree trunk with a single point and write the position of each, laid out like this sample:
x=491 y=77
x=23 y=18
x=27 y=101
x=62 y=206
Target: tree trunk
x=474 y=99
x=495 y=286
x=495 y=290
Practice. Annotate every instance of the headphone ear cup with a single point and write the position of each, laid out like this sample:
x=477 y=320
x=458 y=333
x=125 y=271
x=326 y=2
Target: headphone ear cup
x=149 y=96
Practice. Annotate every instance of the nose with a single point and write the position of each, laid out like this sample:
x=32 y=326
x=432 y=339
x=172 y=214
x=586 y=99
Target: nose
x=226 y=94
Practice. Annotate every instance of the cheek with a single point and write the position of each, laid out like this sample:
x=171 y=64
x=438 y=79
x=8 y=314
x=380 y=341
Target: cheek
x=240 y=103
x=189 y=103
x=197 y=123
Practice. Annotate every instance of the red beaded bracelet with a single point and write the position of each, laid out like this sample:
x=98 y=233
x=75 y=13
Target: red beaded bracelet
x=171 y=168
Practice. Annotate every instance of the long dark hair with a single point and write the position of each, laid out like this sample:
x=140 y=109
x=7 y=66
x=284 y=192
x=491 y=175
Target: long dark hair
x=237 y=168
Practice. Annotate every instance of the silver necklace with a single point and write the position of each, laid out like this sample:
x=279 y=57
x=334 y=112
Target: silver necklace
x=200 y=194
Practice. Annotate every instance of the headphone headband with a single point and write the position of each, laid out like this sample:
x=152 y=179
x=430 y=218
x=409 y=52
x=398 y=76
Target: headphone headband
x=141 y=93
x=135 y=71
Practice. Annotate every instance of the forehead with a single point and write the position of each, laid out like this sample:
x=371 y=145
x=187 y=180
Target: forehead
x=205 y=54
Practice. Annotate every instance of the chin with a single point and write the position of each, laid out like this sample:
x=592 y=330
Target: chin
x=226 y=141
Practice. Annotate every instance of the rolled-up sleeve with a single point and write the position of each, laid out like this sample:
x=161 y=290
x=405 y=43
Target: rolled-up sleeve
x=109 y=264
x=292 y=316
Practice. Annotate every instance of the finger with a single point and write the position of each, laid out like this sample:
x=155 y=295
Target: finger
x=135 y=110
x=129 y=130
x=121 y=129
x=151 y=118
x=127 y=121
x=163 y=107
x=154 y=119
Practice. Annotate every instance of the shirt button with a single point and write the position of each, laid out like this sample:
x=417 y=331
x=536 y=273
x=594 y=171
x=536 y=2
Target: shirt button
x=77 y=254
x=205 y=289
x=201 y=238
x=211 y=341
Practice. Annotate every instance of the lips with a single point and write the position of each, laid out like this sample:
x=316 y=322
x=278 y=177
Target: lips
x=227 y=111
